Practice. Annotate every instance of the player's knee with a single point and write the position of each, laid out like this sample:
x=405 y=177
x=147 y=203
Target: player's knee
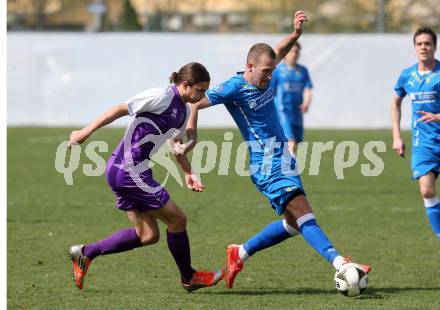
x=148 y=238
x=178 y=223
x=427 y=192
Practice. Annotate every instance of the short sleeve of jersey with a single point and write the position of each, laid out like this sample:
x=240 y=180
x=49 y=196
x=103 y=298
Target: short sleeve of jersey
x=307 y=81
x=399 y=87
x=147 y=101
x=223 y=93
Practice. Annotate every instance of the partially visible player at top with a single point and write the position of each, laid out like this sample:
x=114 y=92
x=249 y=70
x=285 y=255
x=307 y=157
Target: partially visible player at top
x=292 y=88
x=249 y=99
x=156 y=112
x=421 y=82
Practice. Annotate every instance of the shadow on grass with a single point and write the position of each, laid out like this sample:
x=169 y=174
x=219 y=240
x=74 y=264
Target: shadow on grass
x=275 y=291
x=370 y=293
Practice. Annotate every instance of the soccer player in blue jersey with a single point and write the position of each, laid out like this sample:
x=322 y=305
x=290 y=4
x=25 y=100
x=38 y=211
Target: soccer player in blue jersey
x=421 y=82
x=292 y=88
x=157 y=112
x=249 y=99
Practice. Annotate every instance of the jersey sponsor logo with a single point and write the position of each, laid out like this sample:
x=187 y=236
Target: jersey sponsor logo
x=264 y=99
x=423 y=97
x=252 y=103
x=294 y=87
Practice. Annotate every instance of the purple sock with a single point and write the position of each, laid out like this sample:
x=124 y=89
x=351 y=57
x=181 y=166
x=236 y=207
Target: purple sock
x=178 y=243
x=121 y=241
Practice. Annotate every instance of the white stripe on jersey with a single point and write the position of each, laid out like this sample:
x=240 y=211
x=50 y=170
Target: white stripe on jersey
x=250 y=127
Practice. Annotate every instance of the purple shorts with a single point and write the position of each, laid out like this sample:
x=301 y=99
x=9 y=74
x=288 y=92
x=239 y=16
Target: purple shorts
x=144 y=195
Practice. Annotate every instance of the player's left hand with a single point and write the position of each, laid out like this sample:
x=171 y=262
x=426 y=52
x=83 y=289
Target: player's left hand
x=299 y=18
x=193 y=182
x=303 y=108
x=177 y=147
x=428 y=117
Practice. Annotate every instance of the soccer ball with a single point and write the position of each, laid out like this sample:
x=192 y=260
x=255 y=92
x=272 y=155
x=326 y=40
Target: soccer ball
x=351 y=280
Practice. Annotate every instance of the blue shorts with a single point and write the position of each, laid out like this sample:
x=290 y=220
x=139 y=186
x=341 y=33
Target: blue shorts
x=278 y=185
x=425 y=160
x=292 y=131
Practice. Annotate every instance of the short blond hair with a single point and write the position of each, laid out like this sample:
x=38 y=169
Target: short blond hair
x=259 y=49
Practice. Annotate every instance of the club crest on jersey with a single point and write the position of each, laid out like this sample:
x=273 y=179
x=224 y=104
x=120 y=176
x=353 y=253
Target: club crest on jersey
x=174 y=113
x=218 y=89
x=252 y=103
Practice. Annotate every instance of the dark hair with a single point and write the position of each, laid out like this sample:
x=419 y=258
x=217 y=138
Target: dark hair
x=425 y=30
x=260 y=49
x=192 y=73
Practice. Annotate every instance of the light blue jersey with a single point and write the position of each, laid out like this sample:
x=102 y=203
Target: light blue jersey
x=424 y=91
x=288 y=84
x=253 y=110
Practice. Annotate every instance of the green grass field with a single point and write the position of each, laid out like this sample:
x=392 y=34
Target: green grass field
x=376 y=220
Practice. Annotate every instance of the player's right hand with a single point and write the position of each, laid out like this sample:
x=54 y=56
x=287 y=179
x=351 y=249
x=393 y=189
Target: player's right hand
x=78 y=136
x=399 y=146
x=298 y=19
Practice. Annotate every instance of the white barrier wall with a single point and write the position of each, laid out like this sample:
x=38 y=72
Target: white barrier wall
x=67 y=79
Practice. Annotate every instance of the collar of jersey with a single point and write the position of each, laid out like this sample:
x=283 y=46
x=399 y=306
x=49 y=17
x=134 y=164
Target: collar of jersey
x=240 y=74
x=434 y=70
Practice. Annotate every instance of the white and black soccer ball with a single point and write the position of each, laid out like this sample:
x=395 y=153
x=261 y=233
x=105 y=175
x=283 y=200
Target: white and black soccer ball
x=351 y=280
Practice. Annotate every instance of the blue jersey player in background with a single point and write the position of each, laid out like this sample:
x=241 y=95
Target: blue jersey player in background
x=421 y=82
x=293 y=94
x=249 y=99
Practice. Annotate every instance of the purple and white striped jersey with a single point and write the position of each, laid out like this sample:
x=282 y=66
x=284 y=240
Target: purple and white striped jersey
x=158 y=112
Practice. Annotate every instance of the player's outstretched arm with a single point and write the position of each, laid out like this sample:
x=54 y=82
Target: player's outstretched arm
x=191 y=126
x=286 y=44
x=396 y=112
x=191 y=179
x=115 y=112
x=428 y=117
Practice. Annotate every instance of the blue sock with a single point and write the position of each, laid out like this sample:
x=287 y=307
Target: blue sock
x=271 y=235
x=432 y=207
x=315 y=237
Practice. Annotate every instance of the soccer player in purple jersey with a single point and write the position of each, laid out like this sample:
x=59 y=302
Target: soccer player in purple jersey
x=156 y=111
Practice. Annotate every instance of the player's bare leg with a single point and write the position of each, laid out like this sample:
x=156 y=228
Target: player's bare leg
x=431 y=201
